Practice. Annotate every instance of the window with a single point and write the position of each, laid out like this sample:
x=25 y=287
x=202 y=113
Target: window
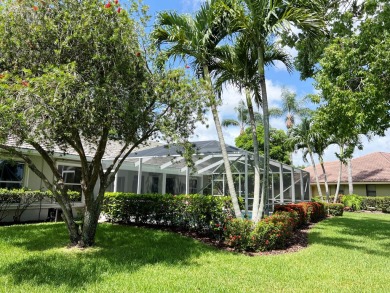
x=370 y=190
x=11 y=174
x=72 y=178
x=193 y=186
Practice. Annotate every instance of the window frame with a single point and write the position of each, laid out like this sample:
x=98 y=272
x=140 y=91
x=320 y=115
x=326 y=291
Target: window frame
x=24 y=174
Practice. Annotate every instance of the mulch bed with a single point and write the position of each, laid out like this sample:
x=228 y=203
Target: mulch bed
x=298 y=242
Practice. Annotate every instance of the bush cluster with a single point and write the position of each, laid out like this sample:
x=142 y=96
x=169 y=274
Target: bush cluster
x=196 y=212
x=273 y=232
x=379 y=203
x=307 y=211
x=334 y=209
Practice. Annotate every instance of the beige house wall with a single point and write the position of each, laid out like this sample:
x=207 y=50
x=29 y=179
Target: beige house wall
x=382 y=189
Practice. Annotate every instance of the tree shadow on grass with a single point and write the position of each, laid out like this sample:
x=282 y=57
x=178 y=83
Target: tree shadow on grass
x=349 y=229
x=119 y=249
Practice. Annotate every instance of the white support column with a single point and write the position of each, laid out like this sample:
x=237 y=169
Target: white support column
x=273 y=192
x=139 y=183
x=281 y=184
x=200 y=188
x=239 y=185
x=188 y=180
x=212 y=184
x=292 y=185
x=164 y=183
x=302 y=191
x=223 y=184
x=246 y=184
x=116 y=182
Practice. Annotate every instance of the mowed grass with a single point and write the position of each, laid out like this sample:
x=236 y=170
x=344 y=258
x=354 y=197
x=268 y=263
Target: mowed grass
x=346 y=254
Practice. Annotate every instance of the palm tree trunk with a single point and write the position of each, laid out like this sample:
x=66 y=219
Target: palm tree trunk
x=340 y=172
x=350 y=183
x=228 y=171
x=264 y=98
x=325 y=179
x=315 y=173
x=256 y=193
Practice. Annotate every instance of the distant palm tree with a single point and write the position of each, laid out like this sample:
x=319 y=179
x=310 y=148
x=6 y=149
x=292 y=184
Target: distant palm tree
x=302 y=136
x=290 y=107
x=243 y=119
x=197 y=38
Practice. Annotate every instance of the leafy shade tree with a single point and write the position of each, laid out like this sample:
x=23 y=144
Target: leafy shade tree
x=243 y=119
x=302 y=136
x=72 y=75
x=354 y=79
x=265 y=21
x=237 y=65
x=197 y=38
x=280 y=148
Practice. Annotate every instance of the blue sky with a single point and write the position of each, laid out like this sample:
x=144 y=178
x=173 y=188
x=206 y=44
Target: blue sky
x=277 y=77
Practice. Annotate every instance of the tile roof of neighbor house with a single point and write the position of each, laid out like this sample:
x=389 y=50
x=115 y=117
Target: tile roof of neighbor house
x=374 y=167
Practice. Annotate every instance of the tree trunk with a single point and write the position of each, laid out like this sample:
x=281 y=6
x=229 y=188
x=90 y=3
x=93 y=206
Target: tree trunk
x=265 y=188
x=90 y=222
x=340 y=172
x=325 y=179
x=350 y=181
x=315 y=173
x=256 y=194
x=228 y=171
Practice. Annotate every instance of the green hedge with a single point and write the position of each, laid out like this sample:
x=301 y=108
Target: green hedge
x=334 y=209
x=21 y=199
x=378 y=203
x=195 y=211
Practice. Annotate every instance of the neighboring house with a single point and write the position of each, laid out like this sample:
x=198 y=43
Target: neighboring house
x=370 y=175
x=155 y=168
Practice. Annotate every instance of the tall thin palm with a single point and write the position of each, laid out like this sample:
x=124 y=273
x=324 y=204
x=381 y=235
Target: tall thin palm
x=243 y=119
x=302 y=136
x=266 y=20
x=197 y=38
x=238 y=66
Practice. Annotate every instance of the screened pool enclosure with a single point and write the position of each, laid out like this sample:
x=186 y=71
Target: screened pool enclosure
x=163 y=169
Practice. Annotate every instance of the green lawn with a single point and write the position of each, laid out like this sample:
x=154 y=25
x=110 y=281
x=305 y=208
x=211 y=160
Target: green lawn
x=346 y=254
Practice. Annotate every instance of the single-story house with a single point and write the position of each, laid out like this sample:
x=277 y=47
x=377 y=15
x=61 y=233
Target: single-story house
x=157 y=168
x=370 y=175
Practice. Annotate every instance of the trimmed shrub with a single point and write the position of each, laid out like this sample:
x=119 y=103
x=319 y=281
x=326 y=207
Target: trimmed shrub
x=198 y=212
x=378 y=203
x=301 y=211
x=273 y=232
x=238 y=234
x=21 y=199
x=334 y=209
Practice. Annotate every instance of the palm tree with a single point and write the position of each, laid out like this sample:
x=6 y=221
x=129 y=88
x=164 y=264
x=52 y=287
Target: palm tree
x=290 y=107
x=243 y=119
x=302 y=137
x=265 y=21
x=320 y=142
x=197 y=38
x=238 y=66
